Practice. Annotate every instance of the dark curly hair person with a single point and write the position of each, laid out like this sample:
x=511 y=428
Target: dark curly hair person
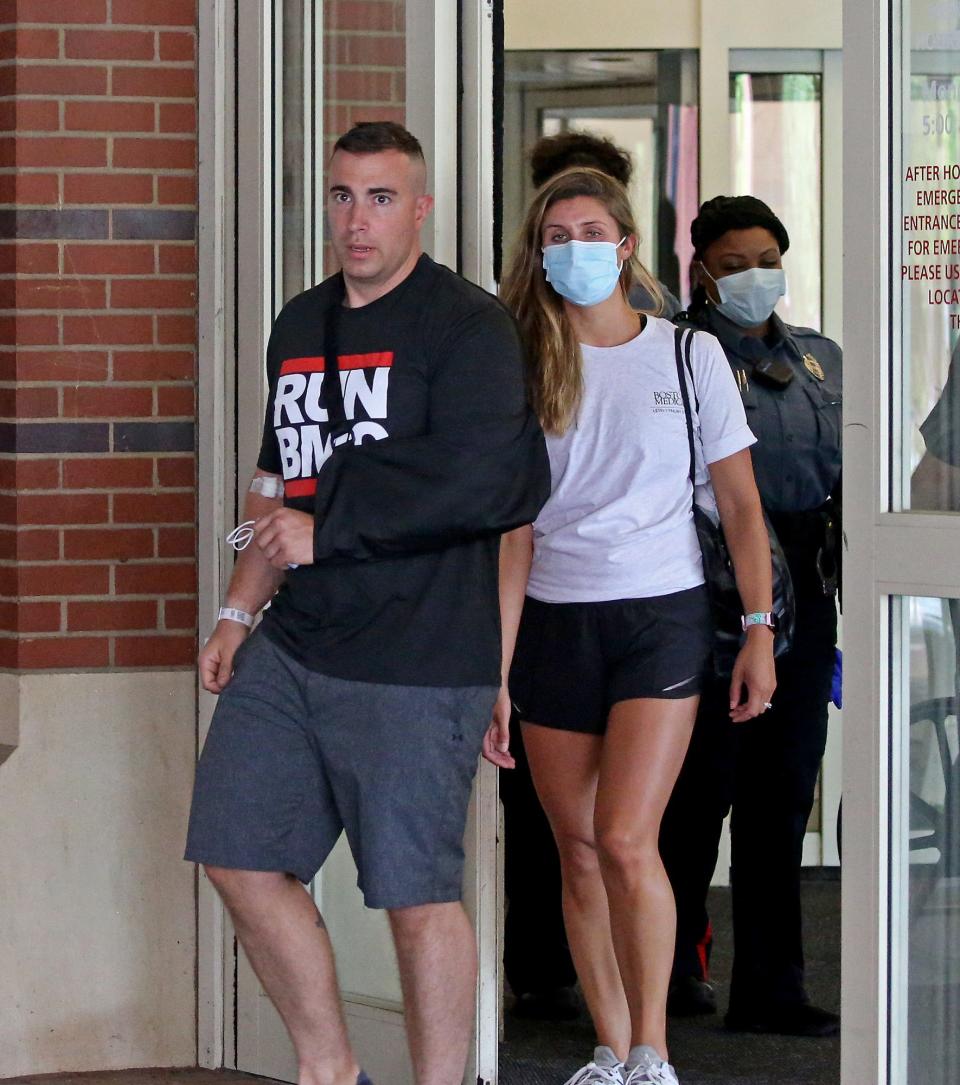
x=570 y=150
x=552 y=154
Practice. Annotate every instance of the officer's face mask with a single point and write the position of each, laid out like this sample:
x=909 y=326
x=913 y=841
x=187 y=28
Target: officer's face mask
x=748 y=297
x=584 y=272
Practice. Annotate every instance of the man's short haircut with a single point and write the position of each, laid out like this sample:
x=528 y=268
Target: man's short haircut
x=553 y=154
x=372 y=137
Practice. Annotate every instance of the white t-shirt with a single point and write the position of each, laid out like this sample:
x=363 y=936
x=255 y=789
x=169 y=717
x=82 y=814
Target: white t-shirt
x=618 y=524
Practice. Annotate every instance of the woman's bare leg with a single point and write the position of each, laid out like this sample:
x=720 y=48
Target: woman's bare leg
x=565 y=766
x=642 y=753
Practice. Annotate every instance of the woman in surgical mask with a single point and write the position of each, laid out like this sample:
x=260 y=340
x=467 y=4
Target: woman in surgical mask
x=789 y=383
x=606 y=626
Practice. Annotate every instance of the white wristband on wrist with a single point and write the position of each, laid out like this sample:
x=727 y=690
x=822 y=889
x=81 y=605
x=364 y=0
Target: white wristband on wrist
x=758 y=617
x=234 y=615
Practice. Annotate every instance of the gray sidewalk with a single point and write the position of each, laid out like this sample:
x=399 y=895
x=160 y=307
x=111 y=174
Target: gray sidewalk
x=536 y=1053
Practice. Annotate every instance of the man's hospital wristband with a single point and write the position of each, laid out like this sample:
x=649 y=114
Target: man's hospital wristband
x=234 y=615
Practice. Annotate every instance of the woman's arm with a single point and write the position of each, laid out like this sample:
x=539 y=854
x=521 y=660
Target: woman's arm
x=742 y=518
x=516 y=555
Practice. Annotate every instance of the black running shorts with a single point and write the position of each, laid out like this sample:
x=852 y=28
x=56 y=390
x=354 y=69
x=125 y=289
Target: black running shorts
x=574 y=661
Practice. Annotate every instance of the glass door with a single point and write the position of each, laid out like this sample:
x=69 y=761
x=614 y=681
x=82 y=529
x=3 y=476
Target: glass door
x=776 y=152
x=785 y=148
x=901 y=923
x=645 y=103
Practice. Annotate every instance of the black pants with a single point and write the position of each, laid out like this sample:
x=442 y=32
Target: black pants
x=535 y=953
x=766 y=770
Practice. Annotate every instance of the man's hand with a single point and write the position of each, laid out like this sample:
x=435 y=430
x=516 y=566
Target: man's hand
x=754 y=668
x=285 y=537
x=496 y=742
x=216 y=656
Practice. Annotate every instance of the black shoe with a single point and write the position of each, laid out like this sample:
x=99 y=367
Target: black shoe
x=555 y=1004
x=801 y=1019
x=690 y=996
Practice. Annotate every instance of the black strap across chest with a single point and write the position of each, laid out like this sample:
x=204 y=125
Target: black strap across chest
x=682 y=338
x=331 y=386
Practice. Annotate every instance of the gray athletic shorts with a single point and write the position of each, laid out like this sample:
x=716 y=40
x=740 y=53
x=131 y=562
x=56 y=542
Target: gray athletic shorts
x=293 y=758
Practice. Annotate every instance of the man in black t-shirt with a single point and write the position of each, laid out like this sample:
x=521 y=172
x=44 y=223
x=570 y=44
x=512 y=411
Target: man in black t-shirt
x=397 y=447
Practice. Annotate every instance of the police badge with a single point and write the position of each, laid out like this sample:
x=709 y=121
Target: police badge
x=813 y=367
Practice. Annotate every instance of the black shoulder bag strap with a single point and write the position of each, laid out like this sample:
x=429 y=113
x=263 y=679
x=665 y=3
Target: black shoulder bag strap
x=681 y=338
x=331 y=386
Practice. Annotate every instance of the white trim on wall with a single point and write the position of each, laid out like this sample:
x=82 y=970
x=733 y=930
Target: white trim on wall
x=474 y=204
x=214 y=441
x=431 y=106
x=864 y=920
x=683 y=24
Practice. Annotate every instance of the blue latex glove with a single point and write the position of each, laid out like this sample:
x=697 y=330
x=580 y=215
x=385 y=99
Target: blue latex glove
x=836 y=690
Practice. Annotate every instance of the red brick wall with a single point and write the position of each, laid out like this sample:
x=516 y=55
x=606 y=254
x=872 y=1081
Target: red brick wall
x=364 y=69
x=97 y=333
x=363 y=63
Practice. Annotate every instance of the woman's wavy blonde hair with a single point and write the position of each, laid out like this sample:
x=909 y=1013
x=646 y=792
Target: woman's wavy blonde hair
x=553 y=359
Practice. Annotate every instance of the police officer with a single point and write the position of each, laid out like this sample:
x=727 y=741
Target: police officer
x=766 y=770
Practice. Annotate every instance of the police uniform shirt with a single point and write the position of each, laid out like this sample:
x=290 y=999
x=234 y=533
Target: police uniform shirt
x=796 y=459
x=941 y=429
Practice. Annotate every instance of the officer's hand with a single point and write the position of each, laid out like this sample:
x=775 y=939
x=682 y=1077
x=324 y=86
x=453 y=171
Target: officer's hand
x=216 y=656
x=496 y=742
x=754 y=676
x=285 y=537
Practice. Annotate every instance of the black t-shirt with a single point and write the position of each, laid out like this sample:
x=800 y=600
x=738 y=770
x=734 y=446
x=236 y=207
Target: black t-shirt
x=442 y=455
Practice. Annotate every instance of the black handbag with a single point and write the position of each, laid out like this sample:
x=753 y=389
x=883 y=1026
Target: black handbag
x=725 y=605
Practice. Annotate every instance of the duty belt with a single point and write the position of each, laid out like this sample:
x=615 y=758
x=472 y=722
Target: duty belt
x=813 y=532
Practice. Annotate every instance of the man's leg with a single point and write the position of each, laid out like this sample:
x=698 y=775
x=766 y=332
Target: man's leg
x=437 y=956
x=401 y=761
x=286 y=941
x=262 y=805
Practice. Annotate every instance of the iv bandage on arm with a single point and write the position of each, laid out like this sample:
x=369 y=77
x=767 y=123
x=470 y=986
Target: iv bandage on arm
x=268 y=485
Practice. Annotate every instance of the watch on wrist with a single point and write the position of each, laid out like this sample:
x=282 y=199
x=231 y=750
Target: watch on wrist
x=759 y=617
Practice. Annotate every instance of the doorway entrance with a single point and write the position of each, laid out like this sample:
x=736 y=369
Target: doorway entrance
x=782 y=114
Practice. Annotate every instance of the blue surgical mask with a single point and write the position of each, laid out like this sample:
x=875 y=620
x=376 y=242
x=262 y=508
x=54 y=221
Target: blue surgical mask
x=748 y=297
x=584 y=272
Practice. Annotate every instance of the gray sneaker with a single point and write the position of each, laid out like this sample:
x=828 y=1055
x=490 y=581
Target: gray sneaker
x=645 y=1067
x=605 y=1069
